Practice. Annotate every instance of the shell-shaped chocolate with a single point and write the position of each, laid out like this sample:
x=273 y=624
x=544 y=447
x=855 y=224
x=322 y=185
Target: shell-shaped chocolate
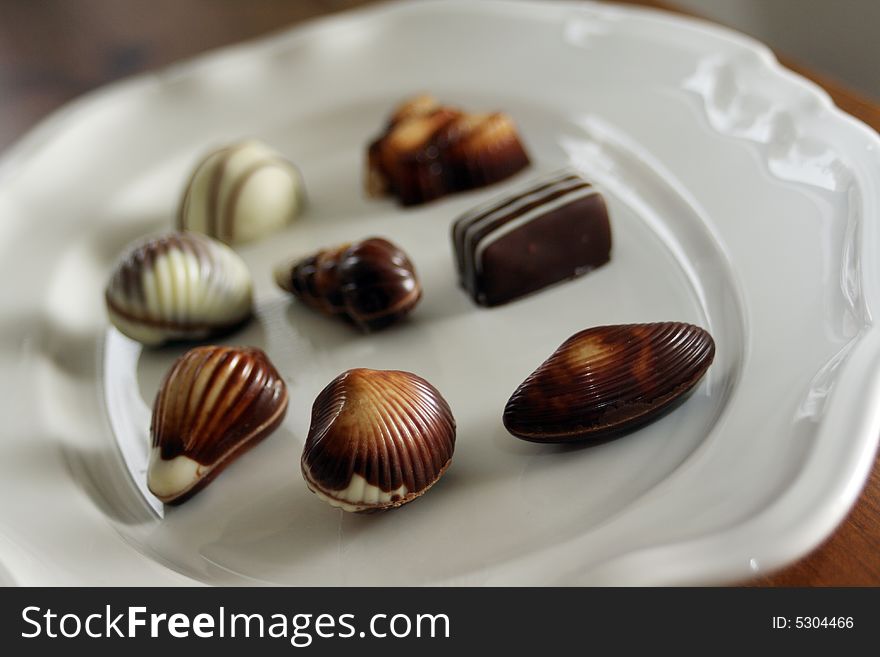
x=371 y=283
x=608 y=380
x=429 y=150
x=241 y=193
x=180 y=286
x=214 y=404
x=378 y=439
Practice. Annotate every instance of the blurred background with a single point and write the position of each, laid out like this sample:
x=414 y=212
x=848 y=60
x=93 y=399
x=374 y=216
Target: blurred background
x=837 y=38
x=54 y=50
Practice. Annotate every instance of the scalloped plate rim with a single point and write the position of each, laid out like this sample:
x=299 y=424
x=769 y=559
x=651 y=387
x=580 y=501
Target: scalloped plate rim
x=846 y=489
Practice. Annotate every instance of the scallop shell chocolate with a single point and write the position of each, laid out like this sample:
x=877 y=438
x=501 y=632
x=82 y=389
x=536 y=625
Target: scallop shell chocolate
x=241 y=193
x=214 y=404
x=378 y=439
x=609 y=380
x=371 y=283
x=180 y=286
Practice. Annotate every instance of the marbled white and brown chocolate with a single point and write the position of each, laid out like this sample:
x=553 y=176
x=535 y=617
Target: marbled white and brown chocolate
x=608 y=380
x=553 y=230
x=179 y=286
x=378 y=439
x=213 y=405
x=371 y=283
x=429 y=150
x=241 y=193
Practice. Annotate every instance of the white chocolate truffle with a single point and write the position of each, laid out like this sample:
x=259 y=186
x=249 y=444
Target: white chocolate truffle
x=180 y=286
x=241 y=193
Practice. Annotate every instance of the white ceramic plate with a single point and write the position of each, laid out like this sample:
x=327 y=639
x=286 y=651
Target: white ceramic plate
x=741 y=200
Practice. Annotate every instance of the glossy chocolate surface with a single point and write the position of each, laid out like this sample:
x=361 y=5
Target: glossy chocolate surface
x=608 y=380
x=242 y=192
x=391 y=431
x=430 y=150
x=371 y=283
x=554 y=230
x=214 y=404
x=178 y=286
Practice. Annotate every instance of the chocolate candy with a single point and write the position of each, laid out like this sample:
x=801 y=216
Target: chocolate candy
x=214 y=404
x=179 y=286
x=241 y=193
x=553 y=230
x=429 y=150
x=371 y=283
x=608 y=380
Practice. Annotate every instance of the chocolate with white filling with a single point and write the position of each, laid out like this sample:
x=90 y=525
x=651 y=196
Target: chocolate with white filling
x=554 y=230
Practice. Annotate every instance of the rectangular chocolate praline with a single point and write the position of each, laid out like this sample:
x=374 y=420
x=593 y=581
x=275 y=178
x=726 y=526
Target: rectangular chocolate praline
x=555 y=230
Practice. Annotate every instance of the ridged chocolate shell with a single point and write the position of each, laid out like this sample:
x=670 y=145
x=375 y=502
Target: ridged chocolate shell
x=371 y=283
x=180 y=286
x=213 y=405
x=378 y=439
x=608 y=380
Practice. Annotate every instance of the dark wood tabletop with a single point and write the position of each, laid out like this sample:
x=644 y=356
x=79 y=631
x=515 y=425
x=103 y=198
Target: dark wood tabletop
x=54 y=50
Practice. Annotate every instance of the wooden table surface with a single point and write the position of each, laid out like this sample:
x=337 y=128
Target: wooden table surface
x=54 y=50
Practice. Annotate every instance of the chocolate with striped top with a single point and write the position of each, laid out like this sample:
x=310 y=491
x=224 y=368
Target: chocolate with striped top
x=551 y=231
x=241 y=193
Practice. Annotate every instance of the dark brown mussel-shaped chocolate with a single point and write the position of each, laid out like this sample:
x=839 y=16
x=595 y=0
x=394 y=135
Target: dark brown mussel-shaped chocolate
x=378 y=439
x=608 y=380
x=371 y=283
x=214 y=404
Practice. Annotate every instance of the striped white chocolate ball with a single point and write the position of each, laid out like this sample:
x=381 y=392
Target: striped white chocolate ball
x=241 y=193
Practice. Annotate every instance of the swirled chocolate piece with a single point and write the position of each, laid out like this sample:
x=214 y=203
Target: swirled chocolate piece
x=179 y=286
x=371 y=283
x=214 y=404
x=552 y=230
x=241 y=193
x=430 y=150
x=378 y=439
x=608 y=380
